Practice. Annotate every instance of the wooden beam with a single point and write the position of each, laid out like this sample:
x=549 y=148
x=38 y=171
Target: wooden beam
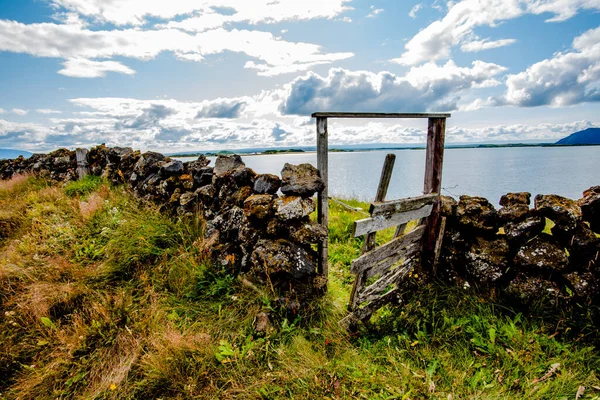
x=375 y=290
x=380 y=222
x=402 y=205
x=436 y=133
x=322 y=197
x=408 y=252
x=378 y=115
x=389 y=252
x=384 y=183
x=364 y=313
x=82 y=164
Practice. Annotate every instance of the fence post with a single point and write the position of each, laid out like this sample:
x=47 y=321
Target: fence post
x=322 y=204
x=436 y=132
x=82 y=164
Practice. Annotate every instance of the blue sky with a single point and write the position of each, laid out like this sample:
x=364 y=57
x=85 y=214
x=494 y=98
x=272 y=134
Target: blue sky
x=213 y=74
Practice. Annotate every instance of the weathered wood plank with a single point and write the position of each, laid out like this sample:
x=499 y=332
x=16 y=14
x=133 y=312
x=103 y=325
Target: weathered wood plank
x=436 y=133
x=438 y=243
x=402 y=205
x=384 y=183
x=322 y=204
x=365 y=312
x=378 y=115
x=388 y=250
x=375 y=290
x=82 y=164
x=374 y=224
x=406 y=253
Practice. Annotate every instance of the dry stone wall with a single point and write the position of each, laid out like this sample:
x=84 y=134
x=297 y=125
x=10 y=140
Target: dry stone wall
x=512 y=252
x=250 y=228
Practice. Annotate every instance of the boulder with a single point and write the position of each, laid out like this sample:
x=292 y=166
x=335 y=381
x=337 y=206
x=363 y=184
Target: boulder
x=170 y=168
x=522 y=231
x=307 y=232
x=541 y=254
x=590 y=207
x=583 y=284
x=300 y=180
x=476 y=213
x=514 y=213
x=565 y=213
x=582 y=242
x=293 y=207
x=518 y=198
x=487 y=260
x=203 y=176
x=243 y=176
x=448 y=206
x=225 y=164
x=530 y=289
x=271 y=258
x=148 y=162
x=267 y=184
x=187 y=199
x=258 y=206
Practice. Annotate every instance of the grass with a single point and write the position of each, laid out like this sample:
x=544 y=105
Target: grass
x=102 y=297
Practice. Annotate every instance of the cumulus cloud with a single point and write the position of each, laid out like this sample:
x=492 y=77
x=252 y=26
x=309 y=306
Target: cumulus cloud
x=84 y=49
x=427 y=87
x=82 y=68
x=457 y=27
x=565 y=79
x=222 y=108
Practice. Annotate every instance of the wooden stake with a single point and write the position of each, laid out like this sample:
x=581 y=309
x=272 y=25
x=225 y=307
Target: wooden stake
x=322 y=204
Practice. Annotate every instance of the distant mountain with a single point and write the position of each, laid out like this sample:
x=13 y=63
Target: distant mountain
x=588 y=136
x=7 y=153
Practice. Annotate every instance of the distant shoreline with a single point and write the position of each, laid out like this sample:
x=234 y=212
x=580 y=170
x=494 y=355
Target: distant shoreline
x=338 y=150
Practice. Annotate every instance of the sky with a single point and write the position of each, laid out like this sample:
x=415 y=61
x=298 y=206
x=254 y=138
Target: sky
x=199 y=75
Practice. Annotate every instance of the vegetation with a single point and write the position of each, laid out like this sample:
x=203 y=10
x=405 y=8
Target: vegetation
x=103 y=297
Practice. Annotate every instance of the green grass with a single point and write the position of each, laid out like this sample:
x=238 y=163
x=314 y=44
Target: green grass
x=83 y=186
x=106 y=298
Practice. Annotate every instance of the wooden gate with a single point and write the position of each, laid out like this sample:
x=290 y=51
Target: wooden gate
x=380 y=271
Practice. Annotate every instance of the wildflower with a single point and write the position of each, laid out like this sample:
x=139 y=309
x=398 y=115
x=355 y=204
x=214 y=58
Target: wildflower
x=113 y=386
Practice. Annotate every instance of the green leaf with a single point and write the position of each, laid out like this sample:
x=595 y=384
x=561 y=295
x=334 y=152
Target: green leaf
x=48 y=322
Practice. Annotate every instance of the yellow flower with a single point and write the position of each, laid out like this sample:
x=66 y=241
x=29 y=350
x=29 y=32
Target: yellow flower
x=113 y=386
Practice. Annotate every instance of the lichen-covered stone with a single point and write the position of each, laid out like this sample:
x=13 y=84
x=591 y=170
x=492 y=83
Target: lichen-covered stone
x=583 y=284
x=225 y=164
x=293 y=207
x=487 y=260
x=307 y=232
x=267 y=184
x=243 y=176
x=187 y=199
x=517 y=198
x=582 y=242
x=541 y=254
x=203 y=176
x=300 y=180
x=148 y=162
x=529 y=289
x=448 y=206
x=514 y=213
x=590 y=207
x=275 y=257
x=565 y=213
x=258 y=206
x=476 y=213
x=170 y=168
x=522 y=231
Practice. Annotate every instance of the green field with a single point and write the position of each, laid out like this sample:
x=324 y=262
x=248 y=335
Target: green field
x=103 y=297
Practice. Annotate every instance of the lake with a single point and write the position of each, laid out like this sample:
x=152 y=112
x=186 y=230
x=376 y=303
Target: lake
x=490 y=172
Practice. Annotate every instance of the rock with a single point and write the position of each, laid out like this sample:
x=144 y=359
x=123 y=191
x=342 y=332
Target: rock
x=514 y=213
x=225 y=164
x=148 y=162
x=170 y=168
x=583 y=284
x=187 y=199
x=541 y=254
x=267 y=184
x=280 y=257
x=293 y=207
x=258 y=206
x=582 y=242
x=307 y=233
x=521 y=232
x=565 y=213
x=529 y=289
x=301 y=180
x=241 y=195
x=476 y=213
x=191 y=167
x=203 y=176
x=487 y=260
x=206 y=193
x=243 y=176
x=448 y=206
x=518 y=198
x=229 y=224
x=262 y=323
x=590 y=207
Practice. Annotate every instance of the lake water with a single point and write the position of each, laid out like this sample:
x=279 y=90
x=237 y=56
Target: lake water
x=490 y=173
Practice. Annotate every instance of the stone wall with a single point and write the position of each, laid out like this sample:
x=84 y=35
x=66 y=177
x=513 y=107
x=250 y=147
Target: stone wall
x=250 y=228
x=512 y=252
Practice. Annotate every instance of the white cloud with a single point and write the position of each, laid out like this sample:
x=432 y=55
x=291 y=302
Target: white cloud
x=83 y=48
x=485 y=44
x=567 y=78
x=436 y=41
x=19 y=111
x=2 y=111
x=413 y=11
x=374 y=12
x=136 y=12
x=47 y=111
x=427 y=87
x=82 y=68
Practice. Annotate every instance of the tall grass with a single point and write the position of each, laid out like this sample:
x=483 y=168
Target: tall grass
x=103 y=297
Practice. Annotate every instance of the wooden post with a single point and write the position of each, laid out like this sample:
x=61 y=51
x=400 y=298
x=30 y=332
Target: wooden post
x=384 y=183
x=82 y=165
x=322 y=204
x=436 y=132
